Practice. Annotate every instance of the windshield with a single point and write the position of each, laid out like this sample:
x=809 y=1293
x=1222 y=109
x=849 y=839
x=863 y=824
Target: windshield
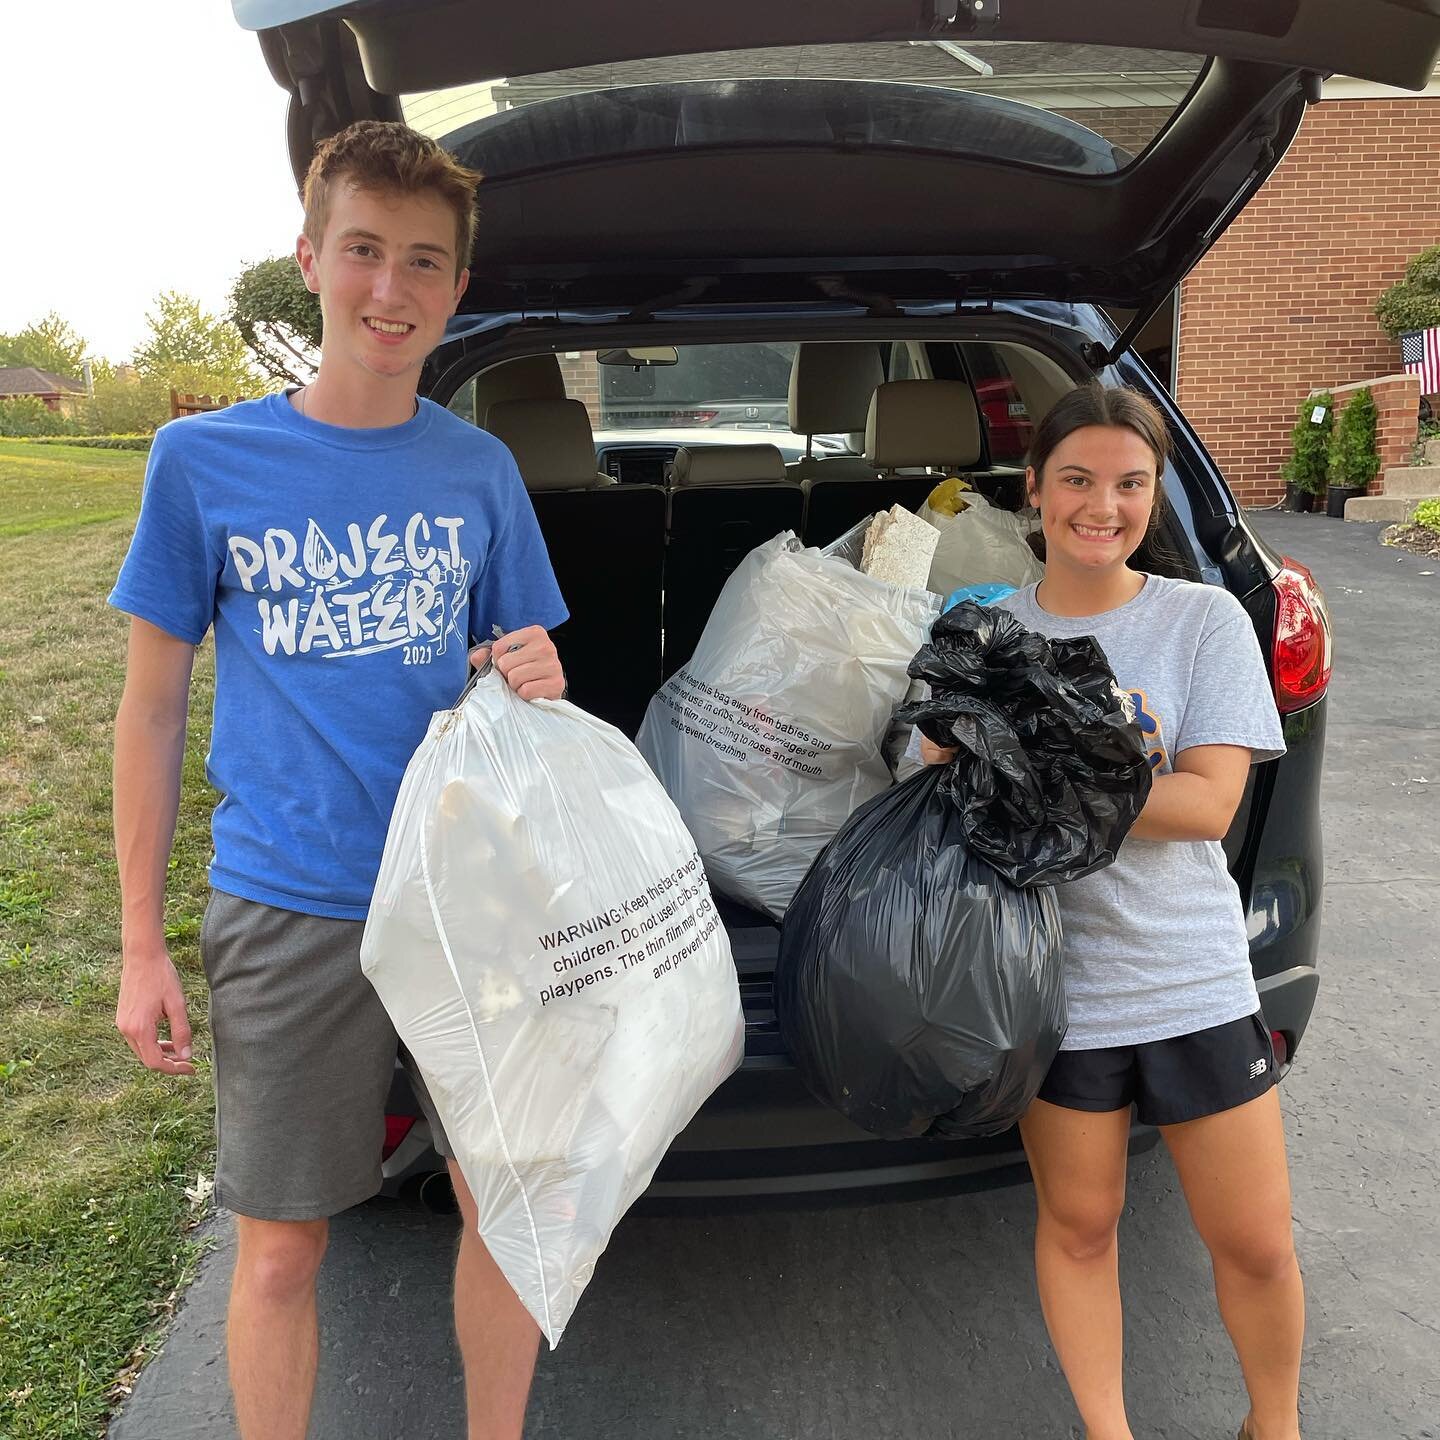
x=1028 y=102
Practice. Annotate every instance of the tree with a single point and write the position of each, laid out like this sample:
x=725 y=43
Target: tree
x=48 y=344
x=126 y=402
x=278 y=318
x=1413 y=303
x=191 y=350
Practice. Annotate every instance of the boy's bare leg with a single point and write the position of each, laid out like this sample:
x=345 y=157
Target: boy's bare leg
x=273 y=1339
x=498 y=1339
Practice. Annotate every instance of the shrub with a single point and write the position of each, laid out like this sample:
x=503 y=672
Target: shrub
x=25 y=415
x=1354 y=458
x=1413 y=303
x=96 y=442
x=1427 y=513
x=1310 y=444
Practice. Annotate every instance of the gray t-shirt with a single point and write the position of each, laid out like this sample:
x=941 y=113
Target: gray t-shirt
x=1155 y=944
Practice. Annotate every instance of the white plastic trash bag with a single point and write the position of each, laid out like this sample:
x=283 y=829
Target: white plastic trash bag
x=981 y=545
x=545 y=942
x=774 y=732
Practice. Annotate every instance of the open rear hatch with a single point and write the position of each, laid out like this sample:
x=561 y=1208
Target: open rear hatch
x=790 y=187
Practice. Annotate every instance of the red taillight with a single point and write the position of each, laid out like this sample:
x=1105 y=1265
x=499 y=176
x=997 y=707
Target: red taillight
x=397 y=1127
x=1282 y=1046
x=694 y=417
x=1303 y=646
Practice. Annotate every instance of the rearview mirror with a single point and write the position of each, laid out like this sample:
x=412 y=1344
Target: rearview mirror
x=639 y=355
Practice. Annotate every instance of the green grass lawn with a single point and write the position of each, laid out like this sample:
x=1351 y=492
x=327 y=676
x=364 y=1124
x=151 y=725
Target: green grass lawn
x=96 y=1153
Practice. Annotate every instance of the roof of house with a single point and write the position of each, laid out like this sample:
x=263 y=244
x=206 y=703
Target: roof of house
x=27 y=380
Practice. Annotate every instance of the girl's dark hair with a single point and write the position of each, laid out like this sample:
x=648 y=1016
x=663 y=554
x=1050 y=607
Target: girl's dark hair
x=1097 y=404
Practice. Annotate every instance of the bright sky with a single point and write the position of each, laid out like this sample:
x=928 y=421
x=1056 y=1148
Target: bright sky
x=145 y=152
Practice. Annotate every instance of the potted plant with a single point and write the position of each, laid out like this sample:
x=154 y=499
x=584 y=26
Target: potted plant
x=1354 y=457
x=1305 y=470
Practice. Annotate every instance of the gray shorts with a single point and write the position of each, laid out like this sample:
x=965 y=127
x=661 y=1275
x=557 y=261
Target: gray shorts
x=304 y=1054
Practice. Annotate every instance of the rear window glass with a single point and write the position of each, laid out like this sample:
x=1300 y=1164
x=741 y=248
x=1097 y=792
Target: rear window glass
x=740 y=393
x=714 y=388
x=721 y=387
x=1084 y=109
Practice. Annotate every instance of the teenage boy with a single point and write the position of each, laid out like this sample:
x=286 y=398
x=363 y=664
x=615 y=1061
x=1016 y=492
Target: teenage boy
x=348 y=543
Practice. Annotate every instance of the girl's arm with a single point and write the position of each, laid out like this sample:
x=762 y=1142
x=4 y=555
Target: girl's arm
x=1198 y=801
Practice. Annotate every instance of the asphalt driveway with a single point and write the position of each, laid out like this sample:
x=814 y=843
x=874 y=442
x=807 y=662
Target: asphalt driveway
x=918 y=1319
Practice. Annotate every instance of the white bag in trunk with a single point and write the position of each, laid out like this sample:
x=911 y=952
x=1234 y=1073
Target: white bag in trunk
x=774 y=732
x=982 y=545
x=544 y=940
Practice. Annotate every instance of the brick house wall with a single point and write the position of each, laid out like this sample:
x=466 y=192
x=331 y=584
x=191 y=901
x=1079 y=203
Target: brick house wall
x=582 y=381
x=1132 y=129
x=1282 y=305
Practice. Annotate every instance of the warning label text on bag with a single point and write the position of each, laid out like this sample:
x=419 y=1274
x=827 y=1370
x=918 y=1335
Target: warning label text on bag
x=731 y=727
x=660 y=928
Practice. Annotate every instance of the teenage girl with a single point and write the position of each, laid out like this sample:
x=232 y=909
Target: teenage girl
x=1164 y=1013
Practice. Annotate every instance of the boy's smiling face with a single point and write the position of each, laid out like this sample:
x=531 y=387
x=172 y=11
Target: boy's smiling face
x=385 y=272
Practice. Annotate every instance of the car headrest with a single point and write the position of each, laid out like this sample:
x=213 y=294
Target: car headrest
x=531 y=377
x=831 y=383
x=915 y=423
x=728 y=465
x=551 y=441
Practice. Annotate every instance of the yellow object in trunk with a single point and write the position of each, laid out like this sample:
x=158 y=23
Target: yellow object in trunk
x=947 y=498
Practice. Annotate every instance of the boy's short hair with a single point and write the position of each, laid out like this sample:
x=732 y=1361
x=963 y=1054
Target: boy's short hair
x=389 y=158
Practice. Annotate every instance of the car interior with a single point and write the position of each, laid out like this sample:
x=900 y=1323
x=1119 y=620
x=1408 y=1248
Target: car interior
x=644 y=535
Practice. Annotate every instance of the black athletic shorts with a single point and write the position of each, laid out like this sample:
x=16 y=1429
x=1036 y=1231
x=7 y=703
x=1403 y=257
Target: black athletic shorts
x=1169 y=1081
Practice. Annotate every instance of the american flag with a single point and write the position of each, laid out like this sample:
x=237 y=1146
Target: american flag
x=1420 y=354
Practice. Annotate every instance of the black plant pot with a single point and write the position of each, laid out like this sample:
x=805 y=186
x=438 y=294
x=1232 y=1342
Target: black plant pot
x=1298 y=500
x=1337 y=495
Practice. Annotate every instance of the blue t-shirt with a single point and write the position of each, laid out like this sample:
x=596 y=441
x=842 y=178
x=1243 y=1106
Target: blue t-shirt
x=347 y=573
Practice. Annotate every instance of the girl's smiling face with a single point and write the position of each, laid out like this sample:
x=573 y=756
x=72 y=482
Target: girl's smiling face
x=1095 y=495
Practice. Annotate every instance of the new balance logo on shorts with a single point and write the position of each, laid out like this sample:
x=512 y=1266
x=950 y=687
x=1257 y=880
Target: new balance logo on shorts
x=1258 y=1068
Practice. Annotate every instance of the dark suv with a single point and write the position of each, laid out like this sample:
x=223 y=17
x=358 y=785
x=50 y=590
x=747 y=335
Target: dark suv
x=649 y=182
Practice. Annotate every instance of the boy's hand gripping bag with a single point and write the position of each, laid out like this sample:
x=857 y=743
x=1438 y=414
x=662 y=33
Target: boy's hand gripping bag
x=544 y=940
x=775 y=730
x=919 y=987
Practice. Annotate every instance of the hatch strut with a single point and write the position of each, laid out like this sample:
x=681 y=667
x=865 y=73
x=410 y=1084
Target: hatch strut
x=1097 y=355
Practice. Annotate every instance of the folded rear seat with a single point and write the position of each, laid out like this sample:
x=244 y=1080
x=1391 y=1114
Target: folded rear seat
x=724 y=501
x=913 y=424
x=607 y=548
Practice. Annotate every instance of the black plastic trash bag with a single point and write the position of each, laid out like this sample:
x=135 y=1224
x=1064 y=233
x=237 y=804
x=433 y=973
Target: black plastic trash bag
x=1051 y=772
x=919 y=991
